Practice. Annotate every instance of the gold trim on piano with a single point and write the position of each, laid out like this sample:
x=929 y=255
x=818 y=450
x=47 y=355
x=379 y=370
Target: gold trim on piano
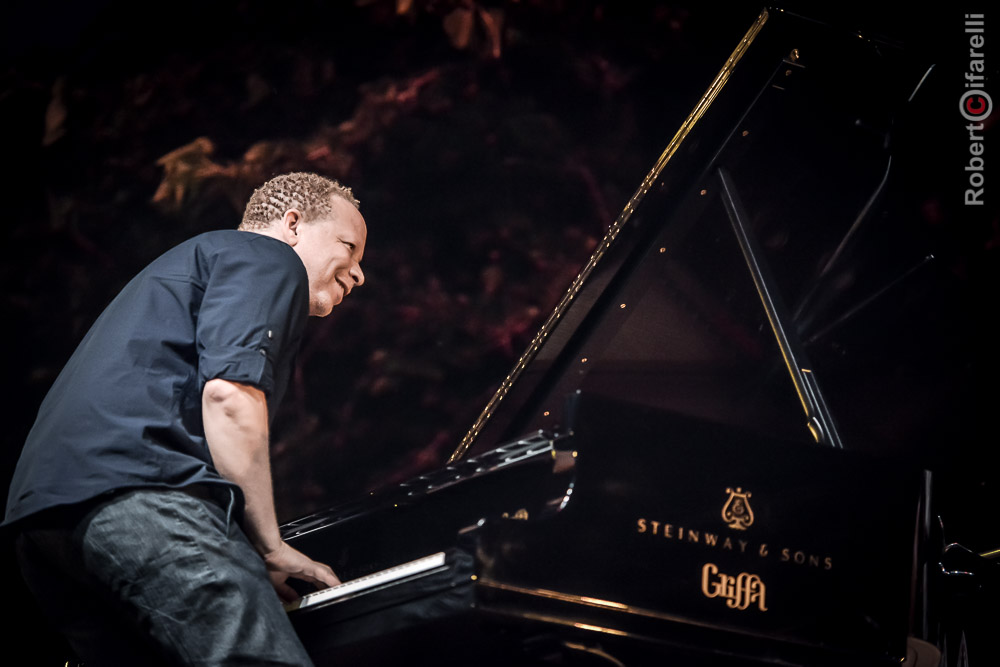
x=580 y=626
x=605 y=604
x=590 y=602
x=543 y=333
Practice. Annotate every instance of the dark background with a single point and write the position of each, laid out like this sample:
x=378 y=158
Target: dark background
x=487 y=172
x=490 y=143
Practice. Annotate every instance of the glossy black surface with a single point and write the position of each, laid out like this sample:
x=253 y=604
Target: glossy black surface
x=424 y=515
x=829 y=536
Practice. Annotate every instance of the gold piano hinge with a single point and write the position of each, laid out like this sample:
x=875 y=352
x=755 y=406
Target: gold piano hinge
x=543 y=333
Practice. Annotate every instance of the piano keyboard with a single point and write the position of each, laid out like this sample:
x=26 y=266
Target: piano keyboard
x=369 y=581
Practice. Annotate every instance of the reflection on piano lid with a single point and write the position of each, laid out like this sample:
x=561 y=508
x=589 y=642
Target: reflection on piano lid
x=528 y=476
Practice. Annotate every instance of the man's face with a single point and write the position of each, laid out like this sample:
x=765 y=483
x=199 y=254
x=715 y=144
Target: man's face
x=331 y=250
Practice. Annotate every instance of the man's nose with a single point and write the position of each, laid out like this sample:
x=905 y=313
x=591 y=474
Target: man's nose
x=358 y=275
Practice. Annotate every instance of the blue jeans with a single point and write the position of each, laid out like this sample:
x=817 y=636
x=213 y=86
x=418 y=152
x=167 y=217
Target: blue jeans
x=158 y=577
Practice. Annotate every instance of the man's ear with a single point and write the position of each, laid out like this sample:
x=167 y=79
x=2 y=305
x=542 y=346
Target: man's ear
x=290 y=224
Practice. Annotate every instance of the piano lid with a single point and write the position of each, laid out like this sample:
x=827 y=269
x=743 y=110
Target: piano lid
x=763 y=275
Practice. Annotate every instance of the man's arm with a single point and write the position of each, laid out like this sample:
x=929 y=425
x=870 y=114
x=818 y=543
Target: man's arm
x=235 y=419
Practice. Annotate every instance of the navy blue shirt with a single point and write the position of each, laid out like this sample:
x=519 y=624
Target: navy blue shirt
x=126 y=410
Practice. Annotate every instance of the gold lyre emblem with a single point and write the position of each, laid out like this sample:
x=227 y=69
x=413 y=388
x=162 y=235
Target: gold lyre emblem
x=736 y=512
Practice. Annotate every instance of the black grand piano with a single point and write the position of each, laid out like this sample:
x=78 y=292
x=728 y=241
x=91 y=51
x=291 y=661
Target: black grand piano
x=690 y=464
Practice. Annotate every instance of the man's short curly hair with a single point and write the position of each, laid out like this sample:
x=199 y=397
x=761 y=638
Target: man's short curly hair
x=311 y=194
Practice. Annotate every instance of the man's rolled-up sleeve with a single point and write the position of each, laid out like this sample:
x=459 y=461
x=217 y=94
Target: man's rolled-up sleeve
x=252 y=314
x=236 y=364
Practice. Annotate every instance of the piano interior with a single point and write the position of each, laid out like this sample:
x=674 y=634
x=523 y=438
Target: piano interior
x=712 y=453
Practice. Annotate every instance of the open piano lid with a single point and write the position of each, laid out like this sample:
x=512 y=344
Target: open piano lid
x=765 y=280
x=784 y=188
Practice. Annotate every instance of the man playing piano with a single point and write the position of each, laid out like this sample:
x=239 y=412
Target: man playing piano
x=149 y=456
